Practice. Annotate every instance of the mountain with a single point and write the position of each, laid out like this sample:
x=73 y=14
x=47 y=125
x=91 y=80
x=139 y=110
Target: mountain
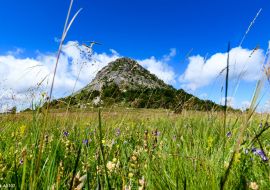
x=124 y=72
x=125 y=83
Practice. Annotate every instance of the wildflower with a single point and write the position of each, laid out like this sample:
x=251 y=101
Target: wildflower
x=130 y=175
x=43 y=94
x=114 y=160
x=110 y=166
x=245 y=151
x=252 y=159
x=158 y=133
x=125 y=142
x=85 y=141
x=229 y=134
x=21 y=161
x=260 y=152
x=66 y=133
x=22 y=129
x=264 y=158
x=117 y=146
x=174 y=137
x=103 y=141
x=117 y=130
x=253 y=185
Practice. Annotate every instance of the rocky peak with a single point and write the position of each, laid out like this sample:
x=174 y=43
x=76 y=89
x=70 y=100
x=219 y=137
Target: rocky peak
x=124 y=71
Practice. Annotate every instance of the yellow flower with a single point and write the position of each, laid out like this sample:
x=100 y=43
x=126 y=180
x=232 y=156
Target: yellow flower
x=103 y=141
x=117 y=146
x=130 y=175
x=114 y=160
x=43 y=94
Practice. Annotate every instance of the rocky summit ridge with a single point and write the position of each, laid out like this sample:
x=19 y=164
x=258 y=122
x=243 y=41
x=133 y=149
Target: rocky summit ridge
x=124 y=72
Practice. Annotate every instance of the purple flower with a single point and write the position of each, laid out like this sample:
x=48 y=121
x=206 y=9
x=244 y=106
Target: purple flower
x=254 y=150
x=66 y=133
x=195 y=123
x=264 y=158
x=85 y=141
x=158 y=133
x=260 y=152
x=229 y=134
x=125 y=142
x=168 y=114
x=117 y=130
x=261 y=125
x=174 y=137
x=252 y=159
x=21 y=161
x=179 y=136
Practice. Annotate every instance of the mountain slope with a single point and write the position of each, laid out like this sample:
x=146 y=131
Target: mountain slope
x=125 y=83
x=124 y=71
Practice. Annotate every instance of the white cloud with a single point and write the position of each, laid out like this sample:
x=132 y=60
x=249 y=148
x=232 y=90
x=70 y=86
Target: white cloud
x=167 y=58
x=57 y=40
x=160 y=67
x=230 y=102
x=12 y=69
x=216 y=63
x=114 y=52
x=17 y=52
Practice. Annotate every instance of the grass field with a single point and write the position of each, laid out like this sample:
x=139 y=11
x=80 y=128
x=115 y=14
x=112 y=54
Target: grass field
x=154 y=149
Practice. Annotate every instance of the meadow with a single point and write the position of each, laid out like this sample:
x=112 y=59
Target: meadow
x=142 y=149
x=128 y=148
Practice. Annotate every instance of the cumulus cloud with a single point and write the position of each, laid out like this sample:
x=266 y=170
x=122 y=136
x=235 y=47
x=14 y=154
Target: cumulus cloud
x=239 y=59
x=161 y=67
x=37 y=76
x=230 y=102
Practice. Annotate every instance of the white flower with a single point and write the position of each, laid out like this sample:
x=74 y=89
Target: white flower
x=253 y=185
x=110 y=166
x=245 y=151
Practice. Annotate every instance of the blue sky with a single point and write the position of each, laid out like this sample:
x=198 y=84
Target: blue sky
x=155 y=33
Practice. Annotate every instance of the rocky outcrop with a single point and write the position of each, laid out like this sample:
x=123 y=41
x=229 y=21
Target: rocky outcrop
x=124 y=71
